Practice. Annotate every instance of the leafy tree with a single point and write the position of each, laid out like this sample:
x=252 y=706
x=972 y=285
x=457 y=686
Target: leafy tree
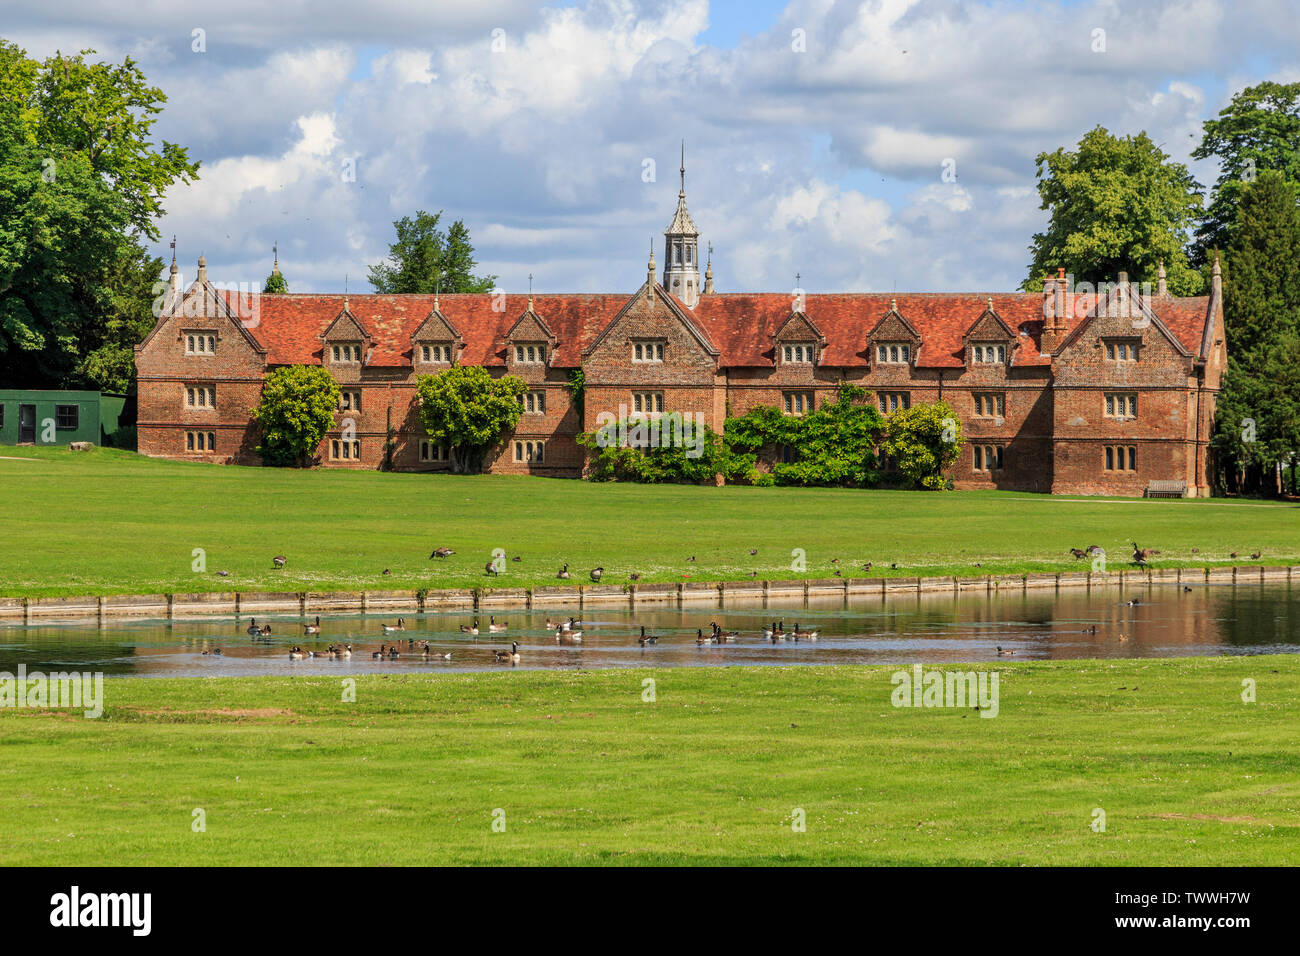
x=923 y=441
x=834 y=445
x=469 y=411
x=1117 y=205
x=424 y=259
x=130 y=290
x=81 y=182
x=295 y=413
x=1261 y=313
x=1262 y=284
x=1259 y=130
x=275 y=284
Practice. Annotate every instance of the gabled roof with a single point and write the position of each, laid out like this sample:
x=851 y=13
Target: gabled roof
x=798 y=316
x=1144 y=309
x=675 y=305
x=989 y=317
x=737 y=327
x=530 y=315
x=341 y=322
x=214 y=304
x=435 y=320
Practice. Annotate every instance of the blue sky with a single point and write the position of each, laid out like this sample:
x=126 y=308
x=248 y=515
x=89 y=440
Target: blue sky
x=824 y=160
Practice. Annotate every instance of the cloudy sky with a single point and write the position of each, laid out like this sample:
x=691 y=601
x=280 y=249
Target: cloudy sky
x=817 y=132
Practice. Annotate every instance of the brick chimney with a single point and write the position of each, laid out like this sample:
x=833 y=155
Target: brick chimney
x=1054 y=311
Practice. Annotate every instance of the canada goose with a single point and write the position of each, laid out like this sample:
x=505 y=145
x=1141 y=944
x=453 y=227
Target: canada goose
x=266 y=630
x=327 y=653
x=346 y=651
x=776 y=631
x=253 y=629
x=399 y=626
x=1140 y=555
x=563 y=636
x=700 y=639
x=804 y=635
x=571 y=624
x=491 y=568
x=1078 y=553
x=470 y=629
x=1186 y=589
x=1254 y=556
x=720 y=635
x=312 y=628
x=441 y=553
x=507 y=657
x=295 y=653
x=379 y=654
x=494 y=627
x=426 y=654
x=867 y=566
x=279 y=560
x=645 y=638
x=1002 y=653
x=564 y=573
x=392 y=653
x=1094 y=549
x=596 y=573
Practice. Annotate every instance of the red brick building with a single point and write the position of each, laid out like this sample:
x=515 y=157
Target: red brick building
x=1090 y=394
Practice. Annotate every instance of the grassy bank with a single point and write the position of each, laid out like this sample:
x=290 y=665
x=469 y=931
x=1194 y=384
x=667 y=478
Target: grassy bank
x=712 y=771
x=111 y=522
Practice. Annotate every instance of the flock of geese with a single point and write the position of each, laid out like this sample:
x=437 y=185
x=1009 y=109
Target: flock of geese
x=567 y=631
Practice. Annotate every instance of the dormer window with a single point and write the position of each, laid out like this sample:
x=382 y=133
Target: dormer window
x=798 y=353
x=989 y=354
x=652 y=351
x=533 y=354
x=439 y=354
x=346 y=352
x=893 y=353
x=200 y=343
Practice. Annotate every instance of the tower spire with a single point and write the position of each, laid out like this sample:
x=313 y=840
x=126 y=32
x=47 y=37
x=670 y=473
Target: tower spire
x=681 y=249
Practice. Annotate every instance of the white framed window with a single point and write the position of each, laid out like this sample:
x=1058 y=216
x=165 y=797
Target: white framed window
x=893 y=401
x=432 y=451
x=1122 y=350
x=200 y=396
x=651 y=351
x=798 y=353
x=1122 y=405
x=893 y=353
x=530 y=452
x=200 y=343
x=990 y=404
x=436 y=353
x=533 y=354
x=343 y=450
x=200 y=441
x=533 y=403
x=346 y=352
x=988 y=457
x=1121 y=458
x=648 y=402
x=989 y=354
x=797 y=403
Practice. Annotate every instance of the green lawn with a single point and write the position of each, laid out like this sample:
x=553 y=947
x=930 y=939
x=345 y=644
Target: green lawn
x=712 y=771
x=114 y=522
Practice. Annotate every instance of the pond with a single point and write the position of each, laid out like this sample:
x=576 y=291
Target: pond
x=1165 y=621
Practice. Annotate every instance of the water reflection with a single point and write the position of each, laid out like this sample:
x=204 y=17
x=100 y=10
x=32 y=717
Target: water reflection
x=1164 y=622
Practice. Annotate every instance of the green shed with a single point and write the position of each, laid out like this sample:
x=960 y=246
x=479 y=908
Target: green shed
x=49 y=417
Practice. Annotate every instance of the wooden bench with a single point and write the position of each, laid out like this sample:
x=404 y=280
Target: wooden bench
x=1166 y=489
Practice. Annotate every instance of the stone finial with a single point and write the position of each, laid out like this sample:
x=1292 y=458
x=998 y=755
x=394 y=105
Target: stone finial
x=893 y=304
x=650 y=272
x=1216 y=277
x=1162 y=288
x=1218 y=270
x=202 y=276
x=708 y=274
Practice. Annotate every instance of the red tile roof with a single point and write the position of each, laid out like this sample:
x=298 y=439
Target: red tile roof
x=739 y=325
